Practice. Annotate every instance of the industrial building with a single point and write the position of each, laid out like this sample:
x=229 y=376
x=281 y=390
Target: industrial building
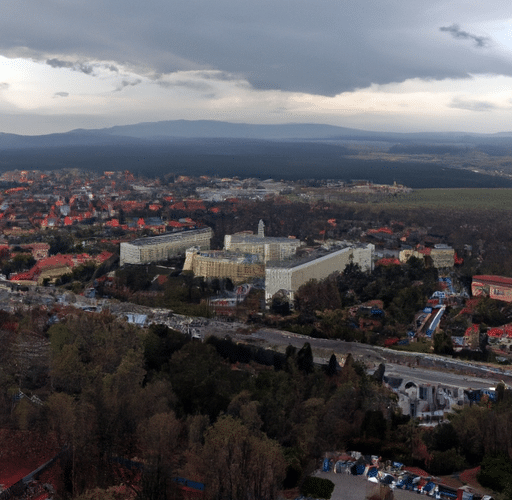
x=495 y=287
x=219 y=264
x=269 y=248
x=158 y=248
x=288 y=277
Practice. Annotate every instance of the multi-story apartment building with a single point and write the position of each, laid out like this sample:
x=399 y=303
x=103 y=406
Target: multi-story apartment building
x=157 y=248
x=219 y=264
x=287 y=277
x=269 y=248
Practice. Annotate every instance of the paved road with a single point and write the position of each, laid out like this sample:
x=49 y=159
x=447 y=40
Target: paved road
x=425 y=368
x=440 y=377
x=348 y=487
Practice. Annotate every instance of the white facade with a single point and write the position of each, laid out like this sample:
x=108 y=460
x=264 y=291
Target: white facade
x=290 y=278
x=162 y=247
x=269 y=248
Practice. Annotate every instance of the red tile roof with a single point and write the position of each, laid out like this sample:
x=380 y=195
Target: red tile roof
x=493 y=280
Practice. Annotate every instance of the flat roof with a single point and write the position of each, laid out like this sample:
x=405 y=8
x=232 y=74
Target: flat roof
x=174 y=236
x=253 y=238
x=318 y=254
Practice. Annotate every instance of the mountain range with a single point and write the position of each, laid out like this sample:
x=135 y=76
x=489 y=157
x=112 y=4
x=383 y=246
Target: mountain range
x=289 y=151
x=178 y=130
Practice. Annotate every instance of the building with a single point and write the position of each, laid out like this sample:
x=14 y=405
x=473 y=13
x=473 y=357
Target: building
x=268 y=248
x=288 y=277
x=440 y=256
x=158 y=248
x=495 y=287
x=219 y=264
x=431 y=402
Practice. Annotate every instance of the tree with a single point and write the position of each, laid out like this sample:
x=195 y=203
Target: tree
x=332 y=367
x=317 y=487
x=443 y=343
x=305 y=359
x=159 y=438
x=378 y=375
x=240 y=465
x=496 y=472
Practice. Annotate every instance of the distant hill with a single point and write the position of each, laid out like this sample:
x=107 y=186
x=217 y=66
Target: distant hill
x=175 y=130
x=289 y=151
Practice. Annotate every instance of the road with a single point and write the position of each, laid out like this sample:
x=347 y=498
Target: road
x=427 y=368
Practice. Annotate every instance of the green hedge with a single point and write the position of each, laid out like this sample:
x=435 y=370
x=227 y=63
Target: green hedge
x=317 y=487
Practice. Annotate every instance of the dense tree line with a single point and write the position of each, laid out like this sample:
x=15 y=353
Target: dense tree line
x=244 y=423
x=402 y=290
x=112 y=390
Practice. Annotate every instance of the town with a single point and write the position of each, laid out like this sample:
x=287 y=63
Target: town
x=221 y=262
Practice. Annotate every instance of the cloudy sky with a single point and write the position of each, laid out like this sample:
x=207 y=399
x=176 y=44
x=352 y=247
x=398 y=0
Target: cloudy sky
x=399 y=65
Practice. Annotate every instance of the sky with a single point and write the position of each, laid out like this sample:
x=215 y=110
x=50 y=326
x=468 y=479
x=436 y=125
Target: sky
x=392 y=65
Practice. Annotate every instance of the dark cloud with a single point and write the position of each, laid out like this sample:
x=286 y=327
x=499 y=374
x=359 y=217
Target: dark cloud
x=127 y=83
x=61 y=94
x=75 y=66
x=456 y=32
x=458 y=103
x=4 y=85
x=292 y=46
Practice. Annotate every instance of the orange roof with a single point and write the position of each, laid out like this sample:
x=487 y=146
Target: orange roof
x=493 y=280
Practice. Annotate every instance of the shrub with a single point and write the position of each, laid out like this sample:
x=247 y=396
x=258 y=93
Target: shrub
x=317 y=487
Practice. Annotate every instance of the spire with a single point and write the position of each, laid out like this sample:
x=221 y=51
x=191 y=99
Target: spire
x=261 y=229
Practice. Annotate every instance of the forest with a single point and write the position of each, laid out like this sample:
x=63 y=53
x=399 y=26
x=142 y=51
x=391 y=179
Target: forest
x=255 y=158
x=244 y=422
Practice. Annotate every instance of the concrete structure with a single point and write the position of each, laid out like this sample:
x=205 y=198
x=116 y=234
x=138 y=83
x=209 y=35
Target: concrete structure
x=495 y=287
x=157 y=248
x=219 y=264
x=268 y=248
x=287 y=277
x=441 y=255
x=431 y=402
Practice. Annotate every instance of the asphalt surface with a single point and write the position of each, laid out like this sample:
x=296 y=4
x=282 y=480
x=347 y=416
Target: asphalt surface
x=348 y=487
x=427 y=368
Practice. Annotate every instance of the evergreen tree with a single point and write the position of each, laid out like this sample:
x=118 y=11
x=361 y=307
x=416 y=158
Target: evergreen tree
x=305 y=358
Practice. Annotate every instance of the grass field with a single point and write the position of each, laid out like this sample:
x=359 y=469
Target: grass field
x=467 y=199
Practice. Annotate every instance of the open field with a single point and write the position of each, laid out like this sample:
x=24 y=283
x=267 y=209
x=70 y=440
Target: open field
x=452 y=198
x=466 y=199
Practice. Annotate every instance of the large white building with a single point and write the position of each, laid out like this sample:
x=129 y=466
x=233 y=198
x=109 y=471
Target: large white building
x=157 y=248
x=269 y=248
x=288 y=277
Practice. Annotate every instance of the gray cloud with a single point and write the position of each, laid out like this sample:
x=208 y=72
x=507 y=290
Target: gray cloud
x=61 y=94
x=326 y=49
x=458 y=103
x=456 y=32
x=189 y=84
x=4 y=85
x=127 y=83
x=75 y=66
